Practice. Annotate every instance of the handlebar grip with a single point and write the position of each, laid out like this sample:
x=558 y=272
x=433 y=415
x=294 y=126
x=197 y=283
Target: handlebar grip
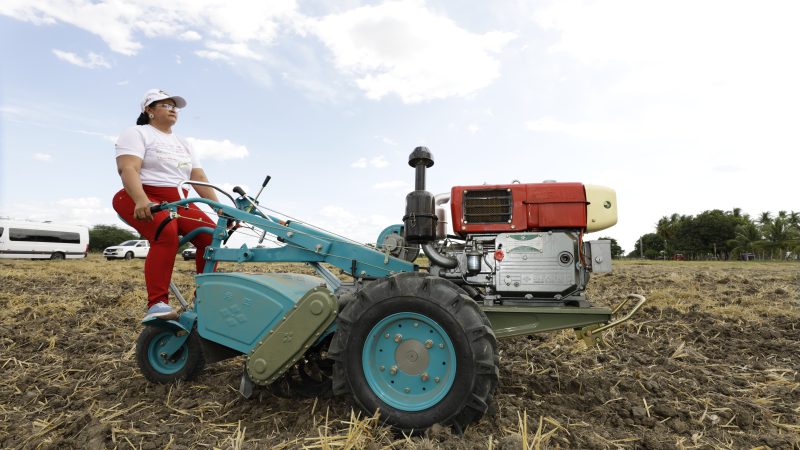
x=239 y=191
x=266 y=180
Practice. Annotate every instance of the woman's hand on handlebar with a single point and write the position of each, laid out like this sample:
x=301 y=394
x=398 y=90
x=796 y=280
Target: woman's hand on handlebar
x=142 y=210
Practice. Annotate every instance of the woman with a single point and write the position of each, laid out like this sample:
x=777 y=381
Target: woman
x=151 y=161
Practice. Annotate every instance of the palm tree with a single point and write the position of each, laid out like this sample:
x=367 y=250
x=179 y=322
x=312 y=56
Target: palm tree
x=765 y=218
x=794 y=220
x=780 y=235
x=747 y=239
x=794 y=230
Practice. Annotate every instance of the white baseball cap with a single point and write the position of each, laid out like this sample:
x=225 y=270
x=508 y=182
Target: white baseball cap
x=154 y=95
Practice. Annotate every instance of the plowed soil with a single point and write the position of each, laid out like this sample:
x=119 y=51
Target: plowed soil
x=711 y=362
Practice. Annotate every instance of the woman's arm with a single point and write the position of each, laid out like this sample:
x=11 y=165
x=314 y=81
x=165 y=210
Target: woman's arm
x=203 y=191
x=129 y=167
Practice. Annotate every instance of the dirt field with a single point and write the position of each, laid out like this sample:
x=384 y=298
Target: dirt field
x=712 y=362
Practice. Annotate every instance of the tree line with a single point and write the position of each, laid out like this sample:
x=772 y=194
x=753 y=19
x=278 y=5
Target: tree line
x=718 y=234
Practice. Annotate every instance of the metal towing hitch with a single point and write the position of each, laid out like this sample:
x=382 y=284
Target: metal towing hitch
x=591 y=333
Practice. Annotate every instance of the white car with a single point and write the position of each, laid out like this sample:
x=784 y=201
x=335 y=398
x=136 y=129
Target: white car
x=189 y=253
x=128 y=250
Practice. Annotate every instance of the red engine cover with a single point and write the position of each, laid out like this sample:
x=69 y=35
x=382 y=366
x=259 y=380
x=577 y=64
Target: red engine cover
x=503 y=208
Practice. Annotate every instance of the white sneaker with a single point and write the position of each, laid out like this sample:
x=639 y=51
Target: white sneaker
x=162 y=311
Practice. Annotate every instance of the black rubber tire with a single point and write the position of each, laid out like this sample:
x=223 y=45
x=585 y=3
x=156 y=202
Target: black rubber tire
x=57 y=256
x=195 y=361
x=128 y=255
x=451 y=308
x=109 y=259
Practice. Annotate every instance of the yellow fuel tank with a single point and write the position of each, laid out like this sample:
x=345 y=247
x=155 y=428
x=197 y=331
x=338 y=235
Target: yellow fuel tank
x=601 y=208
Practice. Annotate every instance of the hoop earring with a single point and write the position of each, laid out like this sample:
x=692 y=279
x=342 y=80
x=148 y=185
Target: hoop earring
x=151 y=116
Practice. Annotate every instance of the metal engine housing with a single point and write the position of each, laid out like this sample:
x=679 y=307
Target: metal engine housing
x=537 y=263
x=526 y=267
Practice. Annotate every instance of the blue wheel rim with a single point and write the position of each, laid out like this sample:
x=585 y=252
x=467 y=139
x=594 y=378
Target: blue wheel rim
x=409 y=361
x=160 y=363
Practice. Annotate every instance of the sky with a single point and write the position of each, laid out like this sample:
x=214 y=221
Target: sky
x=680 y=106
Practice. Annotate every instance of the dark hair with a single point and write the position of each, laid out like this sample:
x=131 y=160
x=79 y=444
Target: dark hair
x=143 y=119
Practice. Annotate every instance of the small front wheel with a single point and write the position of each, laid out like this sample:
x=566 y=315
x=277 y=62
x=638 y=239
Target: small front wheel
x=57 y=256
x=129 y=255
x=157 y=367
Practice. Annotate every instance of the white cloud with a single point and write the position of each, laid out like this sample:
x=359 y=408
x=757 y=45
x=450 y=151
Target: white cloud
x=190 y=35
x=473 y=128
x=660 y=49
x=402 y=48
x=378 y=162
x=86 y=211
x=361 y=163
x=123 y=83
x=92 y=60
x=44 y=157
x=236 y=49
x=234 y=26
x=585 y=130
x=214 y=56
x=218 y=150
x=398 y=47
x=386 y=141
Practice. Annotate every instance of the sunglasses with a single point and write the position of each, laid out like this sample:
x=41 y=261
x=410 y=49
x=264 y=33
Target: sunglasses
x=168 y=107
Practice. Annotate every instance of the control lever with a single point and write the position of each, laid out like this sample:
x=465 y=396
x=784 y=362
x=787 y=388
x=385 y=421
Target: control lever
x=263 y=185
x=252 y=200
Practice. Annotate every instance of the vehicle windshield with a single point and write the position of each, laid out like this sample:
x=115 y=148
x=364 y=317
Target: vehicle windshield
x=128 y=243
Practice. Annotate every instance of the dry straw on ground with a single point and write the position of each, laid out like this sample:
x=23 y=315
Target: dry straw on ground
x=712 y=362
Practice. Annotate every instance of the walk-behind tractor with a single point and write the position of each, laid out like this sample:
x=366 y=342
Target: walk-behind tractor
x=418 y=344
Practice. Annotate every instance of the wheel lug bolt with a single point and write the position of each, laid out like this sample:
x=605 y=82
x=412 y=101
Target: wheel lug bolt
x=398 y=337
x=393 y=370
x=435 y=379
x=383 y=368
x=386 y=335
x=428 y=343
x=424 y=376
x=416 y=324
x=407 y=390
x=441 y=345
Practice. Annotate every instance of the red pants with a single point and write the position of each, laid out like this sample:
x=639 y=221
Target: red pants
x=161 y=257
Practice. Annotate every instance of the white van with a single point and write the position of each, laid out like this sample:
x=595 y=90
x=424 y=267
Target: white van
x=42 y=240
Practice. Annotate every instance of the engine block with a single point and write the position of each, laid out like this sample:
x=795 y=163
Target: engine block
x=537 y=263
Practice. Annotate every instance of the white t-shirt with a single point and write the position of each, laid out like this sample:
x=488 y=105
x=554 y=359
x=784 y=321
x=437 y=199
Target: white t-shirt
x=166 y=158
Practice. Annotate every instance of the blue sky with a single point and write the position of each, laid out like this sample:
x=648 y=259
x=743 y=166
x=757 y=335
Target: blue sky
x=679 y=106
